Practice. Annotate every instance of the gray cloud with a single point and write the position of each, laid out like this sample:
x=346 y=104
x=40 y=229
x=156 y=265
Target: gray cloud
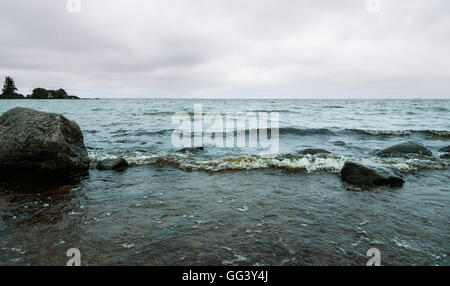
x=229 y=48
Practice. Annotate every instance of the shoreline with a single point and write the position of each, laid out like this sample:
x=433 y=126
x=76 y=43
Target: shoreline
x=156 y=213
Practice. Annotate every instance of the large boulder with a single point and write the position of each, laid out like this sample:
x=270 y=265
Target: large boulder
x=404 y=149
x=370 y=174
x=40 y=145
x=119 y=164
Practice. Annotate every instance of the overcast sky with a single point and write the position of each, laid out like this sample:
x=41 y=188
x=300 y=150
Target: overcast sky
x=229 y=48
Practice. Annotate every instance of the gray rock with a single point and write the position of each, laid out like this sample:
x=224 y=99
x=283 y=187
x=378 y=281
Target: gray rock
x=404 y=149
x=445 y=149
x=119 y=164
x=445 y=156
x=191 y=149
x=40 y=145
x=370 y=174
x=314 y=151
x=338 y=143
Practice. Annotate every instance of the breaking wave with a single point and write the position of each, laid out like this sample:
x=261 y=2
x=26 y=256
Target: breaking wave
x=332 y=163
x=297 y=131
x=382 y=132
x=437 y=133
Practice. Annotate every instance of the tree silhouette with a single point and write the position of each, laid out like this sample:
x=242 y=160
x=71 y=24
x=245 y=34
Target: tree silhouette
x=9 y=87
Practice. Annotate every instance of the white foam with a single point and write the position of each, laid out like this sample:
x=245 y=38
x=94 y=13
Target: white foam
x=243 y=209
x=310 y=163
x=128 y=245
x=386 y=132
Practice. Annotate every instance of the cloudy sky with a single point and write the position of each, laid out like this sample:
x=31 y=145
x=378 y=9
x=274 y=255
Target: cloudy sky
x=229 y=48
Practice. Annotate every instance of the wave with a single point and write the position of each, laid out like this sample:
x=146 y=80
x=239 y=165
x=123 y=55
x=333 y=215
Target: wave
x=290 y=131
x=282 y=131
x=375 y=132
x=382 y=132
x=306 y=131
x=191 y=113
x=440 y=109
x=269 y=110
x=157 y=132
x=333 y=106
x=410 y=165
x=330 y=132
x=124 y=132
x=332 y=163
x=158 y=113
x=438 y=133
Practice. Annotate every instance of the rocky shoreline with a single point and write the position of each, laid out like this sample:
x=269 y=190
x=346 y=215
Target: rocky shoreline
x=36 y=145
x=9 y=91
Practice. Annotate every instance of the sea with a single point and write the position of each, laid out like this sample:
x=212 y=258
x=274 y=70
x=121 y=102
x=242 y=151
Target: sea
x=201 y=190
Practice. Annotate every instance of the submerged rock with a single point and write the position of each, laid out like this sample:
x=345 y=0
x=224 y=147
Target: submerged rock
x=40 y=145
x=314 y=151
x=338 y=143
x=370 y=174
x=445 y=149
x=191 y=149
x=445 y=156
x=405 y=148
x=119 y=164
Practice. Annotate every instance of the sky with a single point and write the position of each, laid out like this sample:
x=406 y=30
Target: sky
x=228 y=48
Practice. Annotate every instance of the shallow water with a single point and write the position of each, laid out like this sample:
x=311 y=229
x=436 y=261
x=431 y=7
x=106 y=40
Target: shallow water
x=234 y=206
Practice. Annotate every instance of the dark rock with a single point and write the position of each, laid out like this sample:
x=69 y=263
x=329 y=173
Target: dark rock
x=191 y=149
x=445 y=156
x=405 y=148
x=314 y=151
x=119 y=164
x=445 y=149
x=2 y=227
x=4 y=218
x=370 y=174
x=40 y=145
x=338 y=143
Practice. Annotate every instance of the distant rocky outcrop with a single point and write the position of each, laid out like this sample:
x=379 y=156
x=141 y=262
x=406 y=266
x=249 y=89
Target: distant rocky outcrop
x=9 y=92
x=12 y=96
x=40 y=145
x=404 y=149
x=370 y=174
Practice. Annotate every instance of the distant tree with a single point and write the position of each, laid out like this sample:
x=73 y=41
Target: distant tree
x=58 y=94
x=40 y=93
x=9 y=87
